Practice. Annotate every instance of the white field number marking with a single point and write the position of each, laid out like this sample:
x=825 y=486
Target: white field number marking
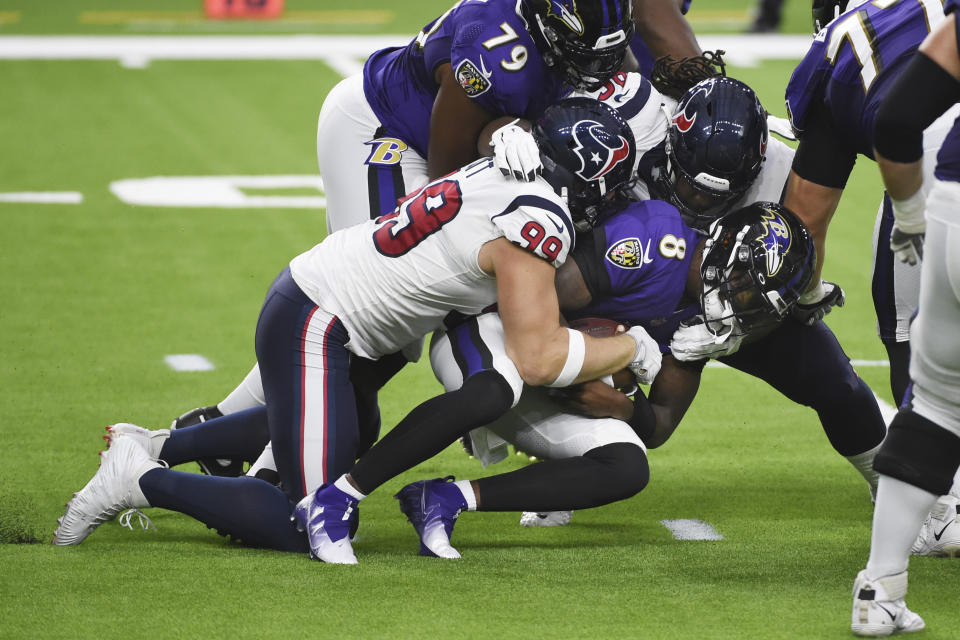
x=188 y=362
x=219 y=191
x=691 y=530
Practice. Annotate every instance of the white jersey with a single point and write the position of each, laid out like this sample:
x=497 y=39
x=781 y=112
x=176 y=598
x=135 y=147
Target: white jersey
x=645 y=109
x=648 y=113
x=393 y=280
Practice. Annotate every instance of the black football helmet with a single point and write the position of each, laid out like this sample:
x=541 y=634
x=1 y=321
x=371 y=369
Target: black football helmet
x=588 y=153
x=824 y=11
x=715 y=146
x=757 y=261
x=585 y=40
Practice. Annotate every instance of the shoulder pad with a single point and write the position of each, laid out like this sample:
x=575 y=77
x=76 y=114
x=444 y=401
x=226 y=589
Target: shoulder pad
x=536 y=220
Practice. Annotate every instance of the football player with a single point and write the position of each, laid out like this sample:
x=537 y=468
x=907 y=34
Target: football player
x=744 y=279
x=707 y=155
x=415 y=113
x=921 y=455
x=454 y=247
x=832 y=99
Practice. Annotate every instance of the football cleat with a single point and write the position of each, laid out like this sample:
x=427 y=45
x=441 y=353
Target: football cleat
x=225 y=467
x=940 y=533
x=432 y=507
x=879 y=609
x=326 y=515
x=151 y=441
x=545 y=518
x=113 y=488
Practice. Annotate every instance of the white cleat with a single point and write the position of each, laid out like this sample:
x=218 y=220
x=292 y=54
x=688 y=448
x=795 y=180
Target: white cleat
x=879 y=609
x=545 y=518
x=325 y=517
x=151 y=441
x=940 y=533
x=114 y=487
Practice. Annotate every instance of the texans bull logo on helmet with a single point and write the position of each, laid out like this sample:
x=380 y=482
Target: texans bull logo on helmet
x=681 y=120
x=599 y=153
x=776 y=238
x=566 y=12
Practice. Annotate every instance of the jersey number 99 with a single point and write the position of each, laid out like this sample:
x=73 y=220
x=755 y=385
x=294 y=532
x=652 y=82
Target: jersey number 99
x=417 y=217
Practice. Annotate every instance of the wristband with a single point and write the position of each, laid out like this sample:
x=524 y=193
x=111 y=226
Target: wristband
x=814 y=295
x=576 y=352
x=908 y=213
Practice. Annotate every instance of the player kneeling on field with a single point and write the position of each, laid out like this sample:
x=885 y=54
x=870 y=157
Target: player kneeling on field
x=740 y=282
x=455 y=247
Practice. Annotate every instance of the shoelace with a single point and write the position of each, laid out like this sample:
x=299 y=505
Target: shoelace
x=143 y=519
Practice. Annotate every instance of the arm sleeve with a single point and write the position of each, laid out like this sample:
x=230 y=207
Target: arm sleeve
x=919 y=96
x=589 y=255
x=823 y=157
x=643 y=421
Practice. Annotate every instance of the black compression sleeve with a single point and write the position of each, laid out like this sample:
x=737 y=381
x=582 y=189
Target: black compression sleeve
x=588 y=254
x=824 y=156
x=600 y=476
x=432 y=426
x=919 y=96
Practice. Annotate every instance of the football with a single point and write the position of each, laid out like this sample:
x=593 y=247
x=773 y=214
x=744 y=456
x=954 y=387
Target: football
x=597 y=327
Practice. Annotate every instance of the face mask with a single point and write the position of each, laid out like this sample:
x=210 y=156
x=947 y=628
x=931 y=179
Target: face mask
x=719 y=316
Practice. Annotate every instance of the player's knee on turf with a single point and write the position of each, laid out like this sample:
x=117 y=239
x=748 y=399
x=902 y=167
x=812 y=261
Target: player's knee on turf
x=625 y=470
x=919 y=452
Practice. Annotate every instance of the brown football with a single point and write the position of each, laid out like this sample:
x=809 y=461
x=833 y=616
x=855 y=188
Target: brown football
x=596 y=327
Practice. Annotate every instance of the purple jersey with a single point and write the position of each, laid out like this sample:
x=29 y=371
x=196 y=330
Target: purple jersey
x=854 y=61
x=636 y=265
x=492 y=56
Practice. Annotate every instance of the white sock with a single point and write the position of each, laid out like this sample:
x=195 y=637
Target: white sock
x=247 y=395
x=863 y=462
x=955 y=489
x=897 y=517
x=466 y=488
x=344 y=485
x=265 y=461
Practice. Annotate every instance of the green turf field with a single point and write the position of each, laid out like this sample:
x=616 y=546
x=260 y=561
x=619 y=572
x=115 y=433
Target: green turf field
x=96 y=294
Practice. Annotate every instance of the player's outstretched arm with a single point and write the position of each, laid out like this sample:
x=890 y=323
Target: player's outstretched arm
x=671 y=395
x=664 y=28
x=928 y=87
x=455 y=125
x=815 y=205
x=539 y=347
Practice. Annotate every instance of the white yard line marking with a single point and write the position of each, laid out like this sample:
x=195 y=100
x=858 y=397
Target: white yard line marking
x=691 y=530
x=220 y=191
x=188 y=362
x=43 y=197
x=137 y=51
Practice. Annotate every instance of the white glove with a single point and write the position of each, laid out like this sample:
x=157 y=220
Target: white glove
x=693 y=341
x=909 y=227
x=816 y=303
x=647 y=358
x=515 y=152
